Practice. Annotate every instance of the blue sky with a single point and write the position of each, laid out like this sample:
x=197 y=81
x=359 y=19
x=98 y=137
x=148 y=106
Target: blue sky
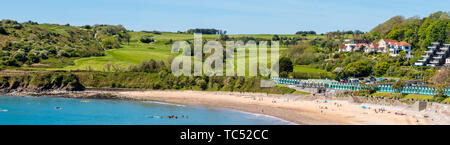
x=235 y=16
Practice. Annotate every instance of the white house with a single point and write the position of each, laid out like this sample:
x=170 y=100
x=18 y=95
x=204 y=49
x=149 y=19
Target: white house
x=383 y=45
x=396 y=47
x=393 y=47
x=447 y=62
x=349 y=46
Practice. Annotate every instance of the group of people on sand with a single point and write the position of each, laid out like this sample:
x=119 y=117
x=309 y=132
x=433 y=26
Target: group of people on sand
x=400 y=113
x=259 y=98
x=380 y=110
x=322 y=107
x=337 y=104
x=383 y=110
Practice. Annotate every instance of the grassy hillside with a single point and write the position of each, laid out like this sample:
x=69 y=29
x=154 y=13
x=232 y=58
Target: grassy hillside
x=49 y=47
x=308 y=72
x=307 y=69
x=134 y=52
x=31 y=44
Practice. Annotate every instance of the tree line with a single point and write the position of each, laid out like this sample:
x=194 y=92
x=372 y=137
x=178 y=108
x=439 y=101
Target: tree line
x=306 y=33
x=206 y=31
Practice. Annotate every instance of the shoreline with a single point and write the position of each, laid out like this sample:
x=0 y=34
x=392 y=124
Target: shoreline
x=229 y=109
x=299 y=109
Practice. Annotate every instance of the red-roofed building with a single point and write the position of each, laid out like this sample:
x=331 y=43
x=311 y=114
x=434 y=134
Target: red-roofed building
x=396 y=47
x=360 y=46
x=371 y=47
x=403 y=43
x=383 y=45
x=393 y=47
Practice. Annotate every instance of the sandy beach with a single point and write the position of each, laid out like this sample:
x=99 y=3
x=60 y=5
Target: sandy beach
x=318 y=111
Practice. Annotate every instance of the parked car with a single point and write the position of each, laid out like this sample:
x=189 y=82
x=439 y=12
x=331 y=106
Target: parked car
x=373 y=79
x=353 y=80
x=345 y=80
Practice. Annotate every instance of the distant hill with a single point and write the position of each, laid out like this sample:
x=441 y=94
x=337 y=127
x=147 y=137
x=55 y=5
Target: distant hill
x=420 y=32
x=30 y=42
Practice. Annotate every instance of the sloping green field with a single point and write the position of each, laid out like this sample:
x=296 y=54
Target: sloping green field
x=135 y=52
x=307 y=69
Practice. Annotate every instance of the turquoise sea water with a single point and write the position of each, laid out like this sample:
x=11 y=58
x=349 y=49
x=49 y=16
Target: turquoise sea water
x=68 y=111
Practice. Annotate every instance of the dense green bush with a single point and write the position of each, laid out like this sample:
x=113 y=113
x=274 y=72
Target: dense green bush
x=164 y=80
x=381 y=68
x=3 y=31
x=360 y=68
x=110 y=42
x=146 y=39
x=148 y=66
x=42 y=82
x=286 y=65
